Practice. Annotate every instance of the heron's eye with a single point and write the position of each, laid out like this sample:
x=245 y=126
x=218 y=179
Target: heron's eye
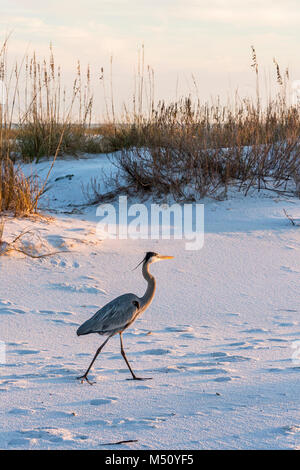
x=136 y=304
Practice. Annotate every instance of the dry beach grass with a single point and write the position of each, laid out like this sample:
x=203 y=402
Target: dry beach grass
x=186 y=148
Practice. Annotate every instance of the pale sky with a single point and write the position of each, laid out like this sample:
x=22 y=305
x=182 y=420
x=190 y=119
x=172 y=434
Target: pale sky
x=209 y=39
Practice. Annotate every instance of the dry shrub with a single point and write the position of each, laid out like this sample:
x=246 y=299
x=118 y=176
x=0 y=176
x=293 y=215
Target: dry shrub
x=191 y=151
x=40 y=128
x=41 y=138
x=39 y=105
x=18 y=194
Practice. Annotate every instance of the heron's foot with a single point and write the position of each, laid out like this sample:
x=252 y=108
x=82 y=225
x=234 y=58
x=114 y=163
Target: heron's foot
x=83 y=378
x=140 y=378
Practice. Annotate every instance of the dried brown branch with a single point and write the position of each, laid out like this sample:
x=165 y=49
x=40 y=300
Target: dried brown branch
x=290 y=219
x=119 y=442
x=6 y=247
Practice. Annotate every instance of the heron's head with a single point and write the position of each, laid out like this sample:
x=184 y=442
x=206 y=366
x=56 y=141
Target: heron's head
x=152 y=257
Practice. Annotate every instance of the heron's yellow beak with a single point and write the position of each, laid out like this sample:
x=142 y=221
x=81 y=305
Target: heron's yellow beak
x=161 y=257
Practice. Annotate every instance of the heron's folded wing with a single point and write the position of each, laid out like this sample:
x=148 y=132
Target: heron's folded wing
x=114 y=315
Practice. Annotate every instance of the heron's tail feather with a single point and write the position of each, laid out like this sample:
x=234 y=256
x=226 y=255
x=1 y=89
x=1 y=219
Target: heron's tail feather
x=84 y=329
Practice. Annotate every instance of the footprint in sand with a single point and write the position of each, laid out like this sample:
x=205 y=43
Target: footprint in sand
x=47 y=312
x=12 y=311
x=210 y=371
x=21 y=411
x=224 y=358
x=98 y=422
x=171 y=369
x=103 y=401
x=50 y=435
x=5 y=303
x=255 y=330
x=18 y=442
x=6 y=311
x=287 y=430
x=25 y=351
x=155 y=352
x=13 y=383
x=289 y=310
x=54 y=370
x=151 y=421
x=66 y=313
x=76 y=229
x=83 y=288
x=64 y=322
x=286 y=324
x=288 y=269
x=179 y=329
x=56 y=241
x=222 y=379
x=132 y=423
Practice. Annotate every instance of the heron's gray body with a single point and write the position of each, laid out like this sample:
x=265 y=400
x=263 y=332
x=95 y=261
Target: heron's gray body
x=119 y=313
x=114 y=317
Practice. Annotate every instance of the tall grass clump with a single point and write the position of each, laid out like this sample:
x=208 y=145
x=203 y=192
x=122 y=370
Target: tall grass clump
x=18 y=194
x=47 y=107
x=37 y=119
x=38 y=108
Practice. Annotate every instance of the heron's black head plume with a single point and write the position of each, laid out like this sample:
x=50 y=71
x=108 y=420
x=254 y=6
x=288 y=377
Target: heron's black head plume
x=148 y=255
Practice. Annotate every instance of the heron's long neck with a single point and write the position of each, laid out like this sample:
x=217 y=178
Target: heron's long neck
x=149 y=294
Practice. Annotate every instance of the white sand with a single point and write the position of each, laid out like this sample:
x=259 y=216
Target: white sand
x=223 y=325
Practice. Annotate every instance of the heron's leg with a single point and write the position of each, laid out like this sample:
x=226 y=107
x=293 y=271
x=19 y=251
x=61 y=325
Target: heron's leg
x=84 y=376
x=134 y=377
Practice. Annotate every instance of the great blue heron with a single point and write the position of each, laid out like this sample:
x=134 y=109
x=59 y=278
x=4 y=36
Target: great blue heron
x=118 y=314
